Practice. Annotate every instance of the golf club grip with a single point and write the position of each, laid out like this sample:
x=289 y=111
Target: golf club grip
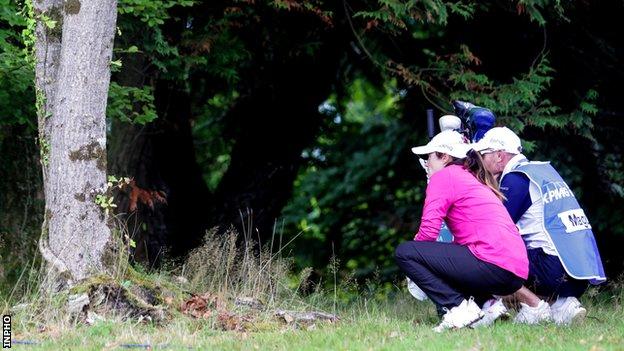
x=430 y=125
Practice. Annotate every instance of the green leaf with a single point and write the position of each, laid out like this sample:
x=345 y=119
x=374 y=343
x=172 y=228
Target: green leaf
x=116 y=63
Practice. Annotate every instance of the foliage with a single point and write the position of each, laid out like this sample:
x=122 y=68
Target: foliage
x=357 y=195
x=519 y=104
x=16 y=71
x=398 y=15
x=130 y=104
x=208 y=47
x=213 y=154
x=149 y=12
x=615 y=174
x=20 y=177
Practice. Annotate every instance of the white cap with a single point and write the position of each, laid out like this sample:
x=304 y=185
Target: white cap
x=448 y=142
x=499 y=138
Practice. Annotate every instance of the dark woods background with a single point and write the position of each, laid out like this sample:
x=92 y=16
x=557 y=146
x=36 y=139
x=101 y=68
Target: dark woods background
x=293 y=119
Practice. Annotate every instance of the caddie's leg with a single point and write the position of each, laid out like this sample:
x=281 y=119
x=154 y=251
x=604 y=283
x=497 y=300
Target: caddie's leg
x=525 y=296
x=548 y=278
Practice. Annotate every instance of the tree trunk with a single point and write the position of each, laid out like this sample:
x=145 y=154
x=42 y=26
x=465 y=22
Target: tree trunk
x=72 y=79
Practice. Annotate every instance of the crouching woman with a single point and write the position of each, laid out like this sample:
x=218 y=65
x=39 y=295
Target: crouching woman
x=487 y=256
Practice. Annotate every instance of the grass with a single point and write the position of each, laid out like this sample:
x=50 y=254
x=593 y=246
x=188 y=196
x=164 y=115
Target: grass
x=401 y=323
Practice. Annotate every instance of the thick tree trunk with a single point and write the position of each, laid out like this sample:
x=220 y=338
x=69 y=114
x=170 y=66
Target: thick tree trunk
x=73 y=76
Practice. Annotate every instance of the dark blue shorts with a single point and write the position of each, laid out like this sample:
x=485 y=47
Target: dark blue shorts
x=548 y=278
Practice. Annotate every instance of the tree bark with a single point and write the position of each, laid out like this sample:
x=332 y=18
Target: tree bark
x=72 y=79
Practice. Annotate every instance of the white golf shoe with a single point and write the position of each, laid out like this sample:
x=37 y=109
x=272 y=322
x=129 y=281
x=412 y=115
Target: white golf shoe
x=493 y=309
x=460 y=316
x=534 y=315
x=567 y=310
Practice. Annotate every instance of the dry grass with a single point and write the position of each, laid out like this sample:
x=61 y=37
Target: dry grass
x=222 y=270
x=226 y=265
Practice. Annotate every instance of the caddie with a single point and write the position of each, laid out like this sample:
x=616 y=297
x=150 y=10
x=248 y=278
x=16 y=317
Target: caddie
x=562 y=251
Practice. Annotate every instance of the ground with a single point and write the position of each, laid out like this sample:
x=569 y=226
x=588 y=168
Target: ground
x=400 y=323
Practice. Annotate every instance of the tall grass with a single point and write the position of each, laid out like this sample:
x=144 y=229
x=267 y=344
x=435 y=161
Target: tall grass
x=225 y=265
x=229 y=266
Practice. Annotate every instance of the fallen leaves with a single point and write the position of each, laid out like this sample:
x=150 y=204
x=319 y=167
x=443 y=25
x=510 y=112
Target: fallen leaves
x=211 y=306
x=208 y=305
x=231 y=321
x=202 y=306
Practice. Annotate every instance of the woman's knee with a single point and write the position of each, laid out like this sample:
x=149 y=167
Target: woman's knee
x=404 y=251
x=516 y=284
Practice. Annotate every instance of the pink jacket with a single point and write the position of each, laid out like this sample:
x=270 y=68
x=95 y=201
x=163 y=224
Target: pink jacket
x=475 y=216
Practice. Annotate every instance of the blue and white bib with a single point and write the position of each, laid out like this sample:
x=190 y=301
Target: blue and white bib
x=565 y=223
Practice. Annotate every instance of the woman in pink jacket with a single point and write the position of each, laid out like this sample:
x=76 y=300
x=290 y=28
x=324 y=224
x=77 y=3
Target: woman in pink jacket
x=487 y=256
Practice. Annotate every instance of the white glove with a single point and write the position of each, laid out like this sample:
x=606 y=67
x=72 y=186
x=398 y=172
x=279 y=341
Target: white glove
x=449 y=122
x=415 y=290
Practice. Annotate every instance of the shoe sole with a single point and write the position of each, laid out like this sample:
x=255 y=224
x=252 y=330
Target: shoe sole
x=502 y=317
x=457 y=328
x=542 y=320
x=469 y=325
